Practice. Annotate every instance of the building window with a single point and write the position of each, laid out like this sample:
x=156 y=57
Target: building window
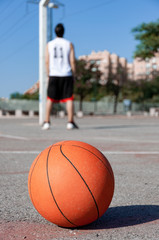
x=92 y=61
x=98 y=62
x=94 y=69
x=154 y=66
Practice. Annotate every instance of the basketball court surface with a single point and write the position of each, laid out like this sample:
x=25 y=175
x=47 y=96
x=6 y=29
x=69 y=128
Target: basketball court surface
x=131 y=144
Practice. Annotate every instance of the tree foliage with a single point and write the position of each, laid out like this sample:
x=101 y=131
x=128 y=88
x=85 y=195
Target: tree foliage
x=17 y=95
x=87 y=80
x=142 y=90
x=115 y=84
x=148 y=36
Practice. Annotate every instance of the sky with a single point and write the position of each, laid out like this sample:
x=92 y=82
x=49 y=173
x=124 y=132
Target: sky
x=90 y=25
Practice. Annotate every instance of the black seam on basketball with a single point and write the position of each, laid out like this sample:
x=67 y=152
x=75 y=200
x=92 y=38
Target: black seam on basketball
x=97 y=157
x=57 y=145
x=52 y=191
x=82 y=180
x=31 y=179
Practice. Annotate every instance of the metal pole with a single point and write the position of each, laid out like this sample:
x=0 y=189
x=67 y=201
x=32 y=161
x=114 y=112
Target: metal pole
x=42 y=46
x=50 y=24
x=42 y=69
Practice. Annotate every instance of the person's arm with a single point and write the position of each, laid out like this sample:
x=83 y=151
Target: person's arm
x=72 y=60
x=47 y=60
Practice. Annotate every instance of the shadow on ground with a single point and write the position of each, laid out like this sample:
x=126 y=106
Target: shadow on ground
x=119 y=126
x=117 y=217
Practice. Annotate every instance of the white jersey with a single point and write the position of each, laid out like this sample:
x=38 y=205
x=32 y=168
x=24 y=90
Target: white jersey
x=59 y=61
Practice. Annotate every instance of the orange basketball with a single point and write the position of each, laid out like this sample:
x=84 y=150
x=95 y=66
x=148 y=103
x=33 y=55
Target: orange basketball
x=71 y=183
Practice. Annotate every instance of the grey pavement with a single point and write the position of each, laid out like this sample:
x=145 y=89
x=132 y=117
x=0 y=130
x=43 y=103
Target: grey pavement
x=131 y=145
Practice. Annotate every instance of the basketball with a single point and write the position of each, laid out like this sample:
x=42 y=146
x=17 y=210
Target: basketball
x=71 y=183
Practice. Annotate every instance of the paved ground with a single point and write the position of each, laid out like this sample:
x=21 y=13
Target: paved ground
x=131 y=146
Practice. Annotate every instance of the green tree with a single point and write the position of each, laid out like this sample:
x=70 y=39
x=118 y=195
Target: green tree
x=148 y=36
x=142 y=90
x=87 y=80
x=115 y=83
x=17 y=95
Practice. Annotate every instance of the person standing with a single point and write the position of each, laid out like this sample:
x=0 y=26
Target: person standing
x=61 y=71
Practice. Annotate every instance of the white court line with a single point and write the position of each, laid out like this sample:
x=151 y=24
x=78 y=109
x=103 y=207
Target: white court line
x=126 y=140
x=19 y=152
x=131 y=152
x=13 y=137
x=104 y=152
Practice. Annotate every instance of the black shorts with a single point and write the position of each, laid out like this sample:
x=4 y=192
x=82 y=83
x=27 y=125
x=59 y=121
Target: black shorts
x=60 y=89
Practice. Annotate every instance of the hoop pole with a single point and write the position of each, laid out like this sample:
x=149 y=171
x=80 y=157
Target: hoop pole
x=42 y=70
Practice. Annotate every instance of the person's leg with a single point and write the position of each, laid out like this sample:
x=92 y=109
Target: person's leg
x=49 y=105
x=46 y=124
x=70 y=110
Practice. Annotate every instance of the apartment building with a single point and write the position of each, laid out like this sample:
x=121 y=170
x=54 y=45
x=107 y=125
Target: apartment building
x=118 y=67
x=110 y=65
x=146 y=69
x=102 y=62
x=33 y=89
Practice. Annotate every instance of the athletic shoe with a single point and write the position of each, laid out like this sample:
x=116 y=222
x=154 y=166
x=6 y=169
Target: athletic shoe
x=71 y=125
x=46 y=126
